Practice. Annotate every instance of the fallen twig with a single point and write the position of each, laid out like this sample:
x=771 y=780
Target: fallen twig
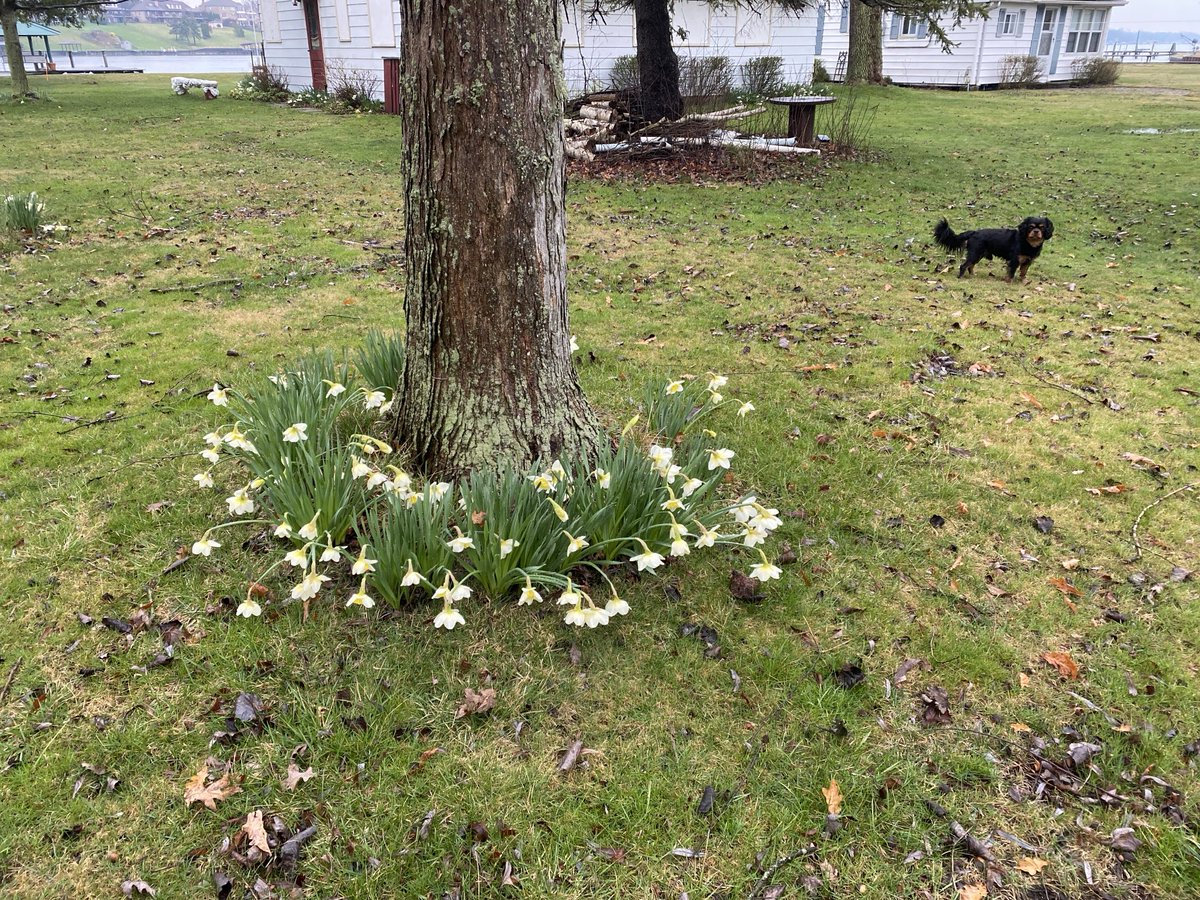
x=1138 y=521
x=567 y=763
x=103 y=420
x=8 y=683
x=289 y=853
x=777 y=865
x=1055 y=384
x=178 y=288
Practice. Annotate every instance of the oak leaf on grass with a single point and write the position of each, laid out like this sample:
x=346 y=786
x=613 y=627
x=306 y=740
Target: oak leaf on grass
x=196 y=791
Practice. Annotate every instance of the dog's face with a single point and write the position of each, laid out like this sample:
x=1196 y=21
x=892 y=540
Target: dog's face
x=1036 y=230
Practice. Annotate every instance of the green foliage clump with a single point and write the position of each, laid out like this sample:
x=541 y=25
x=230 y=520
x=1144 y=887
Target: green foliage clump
x=623 y=76
x=705 y=76
x=762 y=76
x=1020 y=71
x=1096 y=71
x=820 y=75
x=264 y=84
x=22 y=212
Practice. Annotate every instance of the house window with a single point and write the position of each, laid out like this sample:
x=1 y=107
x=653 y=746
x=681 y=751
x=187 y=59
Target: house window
x=1006 y=22
x=844 y=24
x=1086 y=28
x=910 y=27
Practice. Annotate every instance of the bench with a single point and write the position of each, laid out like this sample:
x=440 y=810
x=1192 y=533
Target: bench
x=181 y=85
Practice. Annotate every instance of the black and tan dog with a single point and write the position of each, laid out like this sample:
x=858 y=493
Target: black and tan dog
x=1016 y=246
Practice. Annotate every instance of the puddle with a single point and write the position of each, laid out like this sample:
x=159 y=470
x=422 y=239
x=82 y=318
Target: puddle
x=1160 y=131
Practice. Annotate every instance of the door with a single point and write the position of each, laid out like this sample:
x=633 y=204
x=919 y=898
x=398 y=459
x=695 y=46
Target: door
x=316 y=56
x=1046 y=35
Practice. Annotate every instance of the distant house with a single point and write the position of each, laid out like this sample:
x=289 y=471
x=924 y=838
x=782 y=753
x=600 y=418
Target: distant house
x=150 y=12
x=1055 y=34
x=227 y=13
x=306 y=38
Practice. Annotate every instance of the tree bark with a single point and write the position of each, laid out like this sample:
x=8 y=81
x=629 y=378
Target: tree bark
x=864 y=63
x=488 y=376
x=658 y=66
x=12 y=49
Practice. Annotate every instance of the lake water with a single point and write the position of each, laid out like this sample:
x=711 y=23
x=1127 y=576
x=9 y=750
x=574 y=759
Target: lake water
x=164 y=63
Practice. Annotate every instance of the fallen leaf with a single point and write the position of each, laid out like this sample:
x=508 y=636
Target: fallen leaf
x=935 y=705
x=196 y=791
x=1107 y=489
x=1070 y=564
x=833 y=797
x=137 y=887
x=253 y=827
x=1066 y=666
x=1020 y=727
x=905 y=667
x=1023 y=679
x=478 y=517
x=972 y=892
x=1031 y=400
x=1031 y=865
x=294 y=776
x=476 y=702
x=1065 y=586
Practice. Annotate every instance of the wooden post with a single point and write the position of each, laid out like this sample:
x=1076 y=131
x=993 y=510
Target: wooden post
x=391 y=85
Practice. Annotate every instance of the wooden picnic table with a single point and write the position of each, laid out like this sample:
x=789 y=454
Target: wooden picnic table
x=802 y=116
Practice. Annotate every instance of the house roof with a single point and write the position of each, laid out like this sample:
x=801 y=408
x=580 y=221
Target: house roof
x=33 y=29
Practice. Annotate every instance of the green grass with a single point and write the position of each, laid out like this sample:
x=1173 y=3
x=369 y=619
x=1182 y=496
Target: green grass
x=107 y=36
x=204 y=228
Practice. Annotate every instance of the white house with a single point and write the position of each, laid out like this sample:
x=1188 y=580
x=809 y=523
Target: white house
x=1057 y=34
x=309 y=38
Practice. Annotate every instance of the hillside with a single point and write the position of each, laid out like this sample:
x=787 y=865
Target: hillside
x=143 y=37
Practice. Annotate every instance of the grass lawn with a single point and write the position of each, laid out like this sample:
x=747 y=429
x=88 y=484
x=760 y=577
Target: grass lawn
x=911 y=425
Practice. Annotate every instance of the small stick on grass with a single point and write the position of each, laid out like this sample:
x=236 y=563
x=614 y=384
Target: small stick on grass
x=571 y=757
x=8 y=682
x=1138 y=521
x=179 y=288
x=779 y=864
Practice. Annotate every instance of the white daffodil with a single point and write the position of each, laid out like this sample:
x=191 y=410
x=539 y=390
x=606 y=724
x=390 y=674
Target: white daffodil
x=575 y=616
x=570 y=596
x=677 y=530
x=529 y=595
x=574 y=344
x=558 y=511
x=234 y=438
x=284 y=529
x=297 y=557
x=594 y=616
x=459 y=593
x=240 y=503
x=670 y=473
x=257 y=483
x=296 y=433
x=335 y=388
x=719 y=458
x=460 y=543
x=745 y=409
x=359 y=469
x=576 y=543
x=690 y=486
x=603 y=478
x=672 y=502
x=543 y=482
x=213 y=439
x=752 y=536
x=715 y=398
x=373 y=399
x=764 y=571
x=616 y=606
x=309 y=532
x=411 y=577
x=414 y=498
x=647 y=559
x=680 y=548
x=675 y=387
x=376 y=479
x=507 y=545
x=249 y=608
x=708 y=537
x=309 y=586
x=401 y=480
x=745 y=510
x=387 y=407
x=767 y=519
x=331 y=554
x=660 y=456
x=448 y=618
x=443 y=592
x=360 y=597
x=203 y=479
x=218 y=396
x=205 y=546
x=211 y=454
x=716 y=382
x=362 y=565
x=438 y=489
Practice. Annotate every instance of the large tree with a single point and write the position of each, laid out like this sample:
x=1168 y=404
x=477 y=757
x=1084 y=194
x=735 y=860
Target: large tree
x=488 y=375
x=66 y=12
x=864 y=56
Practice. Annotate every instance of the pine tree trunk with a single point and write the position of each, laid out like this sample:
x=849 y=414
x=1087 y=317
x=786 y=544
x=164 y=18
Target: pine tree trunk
x=658 y=66
x=12 y=49
x=865 y=58
x=488 y=377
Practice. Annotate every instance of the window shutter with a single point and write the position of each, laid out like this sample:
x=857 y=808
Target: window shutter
x=844 y=25
x=895 y=32
x=1000 y=22
x=1021 y=23
x=820 y=30
x=923 y=29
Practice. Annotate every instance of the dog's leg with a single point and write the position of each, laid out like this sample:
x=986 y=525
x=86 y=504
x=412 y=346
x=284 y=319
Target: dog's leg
x=1024 y=268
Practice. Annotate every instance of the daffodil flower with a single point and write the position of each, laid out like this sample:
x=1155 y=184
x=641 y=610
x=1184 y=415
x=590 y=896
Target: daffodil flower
x=570 y=596
x=460 y=543
x=765 y=571
x=529 y=595
x=249 y=608
x=575 y=616
x=309 y=532
x=213 y=439
x=211 y=454
x=677 y=531
x=603 y=479
x=413 y=499
x=690 y=486
x=672 y=502
x=448 y=618
x=576 y=543
x=203 y=479
x=767 y=519
x=376 y=479
x=373 y=399
x=616 y=606
x=335 y=388
x=719 y=458
x=438 y=489
x=284 y=529
x=387 y=407
x=205 y=546
x=543 y=482
x=218 y=396
x=558 y=511
x=708 y=536
x=359 y=469
x=257 y=483
x=716 y=382
x=680 y=548
x=331 y=553
x=360 y=598
x=297 y=557
x=745 y=510
x=594 y=615
x=675 y=387
x=647 y=559
x=460 y=592
x=309 y=586
x=745 y=409
x=234 y=438
x=362 y=565
x=507 y=545
x=752 y=536
x=715 y=398
x=401 y=480
x=240 y=503
x=296 y=433
x=411 y=577
x=660 y=456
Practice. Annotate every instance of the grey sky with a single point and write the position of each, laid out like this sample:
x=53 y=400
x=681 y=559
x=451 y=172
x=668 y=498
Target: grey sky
x=1158 y=15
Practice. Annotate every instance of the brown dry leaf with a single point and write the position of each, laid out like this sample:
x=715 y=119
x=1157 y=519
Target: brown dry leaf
x=833 y=797
x=1065 y=586
x=1107 y=489
x=196 y=791
x=1023 y=679
x=1031 y=400
x=1063 y=662
x=1031 y=865
x=478 y=517
x=476 y=702
x=1020 y=727
x=963 y=509
x=1070 y=564
x=294 y=776
x=972 y=892
x=255 y=831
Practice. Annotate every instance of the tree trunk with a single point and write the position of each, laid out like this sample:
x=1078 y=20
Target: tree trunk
x=865 y=57
x=12 y=49
x=658 y=66
x=488 y=377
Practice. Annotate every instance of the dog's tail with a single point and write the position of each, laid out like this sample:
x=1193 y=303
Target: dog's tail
x=944 y=235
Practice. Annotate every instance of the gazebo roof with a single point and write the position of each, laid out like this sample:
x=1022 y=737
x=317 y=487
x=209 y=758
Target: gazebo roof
x=33 y=29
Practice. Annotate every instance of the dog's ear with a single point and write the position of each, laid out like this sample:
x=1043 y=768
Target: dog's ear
x=1047 y=229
